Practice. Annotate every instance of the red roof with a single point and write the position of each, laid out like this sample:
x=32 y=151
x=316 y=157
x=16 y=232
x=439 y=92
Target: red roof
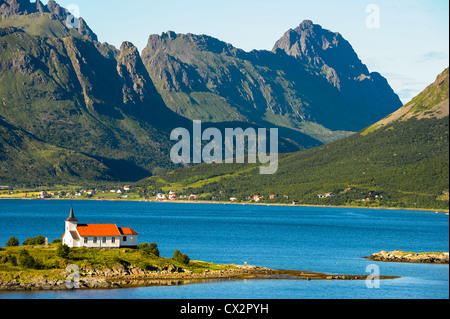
x=127 y=231
x=92 y=230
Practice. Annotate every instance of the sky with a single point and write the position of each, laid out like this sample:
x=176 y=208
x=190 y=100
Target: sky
x=406 y=41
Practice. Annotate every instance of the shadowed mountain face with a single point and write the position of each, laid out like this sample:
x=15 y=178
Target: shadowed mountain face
x=312 y=81
x=329 y=55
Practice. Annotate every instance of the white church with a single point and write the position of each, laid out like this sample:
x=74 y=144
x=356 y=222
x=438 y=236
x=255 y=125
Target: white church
x=97 y=235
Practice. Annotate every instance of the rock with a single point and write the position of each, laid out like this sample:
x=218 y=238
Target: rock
x=174 y=269
x=400 y=256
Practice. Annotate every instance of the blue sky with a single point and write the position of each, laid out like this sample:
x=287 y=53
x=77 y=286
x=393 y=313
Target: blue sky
x=409 y=48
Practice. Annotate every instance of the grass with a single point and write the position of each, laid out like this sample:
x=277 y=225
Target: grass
x=54 y=266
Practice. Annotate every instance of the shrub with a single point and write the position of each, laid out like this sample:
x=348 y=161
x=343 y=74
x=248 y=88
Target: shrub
x=56 y=241
x=26 y=260
x=34 y=241
x=149 y=249
x=63 y=251
x=13 y=260
x=179 y=257
x=12 y=242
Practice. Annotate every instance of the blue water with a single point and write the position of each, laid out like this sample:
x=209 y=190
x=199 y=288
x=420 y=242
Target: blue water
x=330 y=240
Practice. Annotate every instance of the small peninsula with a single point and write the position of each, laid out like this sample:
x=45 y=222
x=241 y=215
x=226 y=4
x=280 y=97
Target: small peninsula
x=38 y=268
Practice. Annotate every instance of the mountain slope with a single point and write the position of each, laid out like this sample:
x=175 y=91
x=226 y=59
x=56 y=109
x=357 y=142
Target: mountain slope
x=65 y=89
x=40 y=163
x=431 y=103
x=73 y=93
x=323 y=93
x=402 y=161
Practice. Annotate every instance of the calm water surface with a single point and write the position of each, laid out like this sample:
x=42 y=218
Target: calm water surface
x=330 y=240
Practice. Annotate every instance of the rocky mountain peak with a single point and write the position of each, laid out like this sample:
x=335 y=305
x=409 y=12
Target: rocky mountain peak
x=10 y=8
x=14 y=7
x=325 y=51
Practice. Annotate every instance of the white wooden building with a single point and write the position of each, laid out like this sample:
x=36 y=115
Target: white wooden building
x=97 y=235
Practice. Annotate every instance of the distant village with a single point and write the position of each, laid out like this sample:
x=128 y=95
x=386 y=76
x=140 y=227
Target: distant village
x=118 y=193
x=128 y=192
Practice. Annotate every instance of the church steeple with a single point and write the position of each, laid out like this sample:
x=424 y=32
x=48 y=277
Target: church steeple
x=71 y=216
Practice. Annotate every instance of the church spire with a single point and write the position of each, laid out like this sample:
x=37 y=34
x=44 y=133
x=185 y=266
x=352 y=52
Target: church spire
x=71 y=216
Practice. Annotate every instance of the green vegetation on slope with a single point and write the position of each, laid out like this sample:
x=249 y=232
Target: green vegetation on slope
x=37 y=261
x=86 y=101
x=402 y=164
x=432 y=95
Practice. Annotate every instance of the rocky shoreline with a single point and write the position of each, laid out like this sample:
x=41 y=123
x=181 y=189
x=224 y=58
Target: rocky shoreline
x=123 y=277
x=408 y=257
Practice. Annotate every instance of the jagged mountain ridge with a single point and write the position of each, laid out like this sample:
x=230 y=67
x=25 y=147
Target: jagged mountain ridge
x=312 y=79
x=329 y=55
x=10 y=8
x=65 y=89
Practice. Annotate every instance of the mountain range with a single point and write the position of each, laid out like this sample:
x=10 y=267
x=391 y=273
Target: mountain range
x=400 y=161
x=312 y=81
x=74 y=109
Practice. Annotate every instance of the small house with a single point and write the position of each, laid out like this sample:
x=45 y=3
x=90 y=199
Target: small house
x=43 y=195
x=161 y=197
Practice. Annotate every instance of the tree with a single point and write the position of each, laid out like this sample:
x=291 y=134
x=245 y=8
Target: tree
x=63 y=251
x=179 y=257
x=149 y=249
x=12 y=242
x=34 y=241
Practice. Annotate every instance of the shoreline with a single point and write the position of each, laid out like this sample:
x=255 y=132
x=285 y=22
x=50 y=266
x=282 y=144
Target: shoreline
x=141 y=279
x=228 y=203
x=399 y=256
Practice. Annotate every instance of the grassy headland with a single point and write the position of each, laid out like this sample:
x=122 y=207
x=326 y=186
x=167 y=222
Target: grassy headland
x=43 y=268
